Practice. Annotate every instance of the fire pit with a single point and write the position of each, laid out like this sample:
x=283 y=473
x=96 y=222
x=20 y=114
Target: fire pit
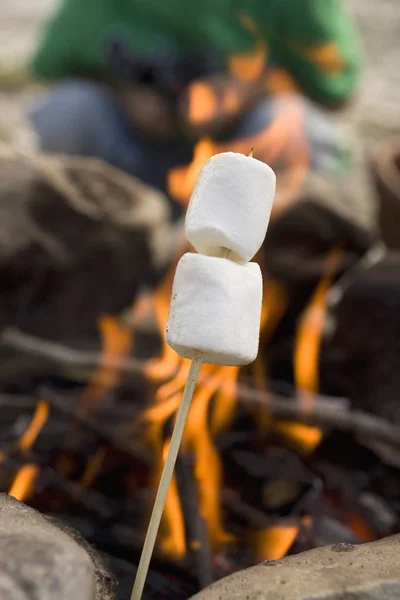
x=276 y=460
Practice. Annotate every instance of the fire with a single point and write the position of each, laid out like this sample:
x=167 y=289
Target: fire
x=173 y=539
x=181 y=180
x=217 y=384
x=308 y=342
x=359 y=527
x=164 y=368
x=303 y=438
x=198 y=440
x=23 y=483
x=213 y=407
x=215 y=398
x=25 y=477
x=116 y=343
x=225 y=400
x=93 y=468
x=275 y=542
x=310 y=331
x=39 y=419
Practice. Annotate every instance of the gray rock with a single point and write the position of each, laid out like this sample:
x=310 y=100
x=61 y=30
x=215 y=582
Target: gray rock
x=78 y=239
x=105 y=581
x=339 y=572
x=38 y=561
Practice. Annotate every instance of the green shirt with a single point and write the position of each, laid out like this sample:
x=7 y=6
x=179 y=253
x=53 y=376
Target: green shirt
x=311 y=39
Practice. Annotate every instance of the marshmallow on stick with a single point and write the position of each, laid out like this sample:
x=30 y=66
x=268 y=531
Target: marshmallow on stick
x=215 y=310
x=216 y=297
x=230 y=206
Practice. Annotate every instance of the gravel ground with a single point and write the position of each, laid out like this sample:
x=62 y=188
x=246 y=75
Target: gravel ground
x=373 y=115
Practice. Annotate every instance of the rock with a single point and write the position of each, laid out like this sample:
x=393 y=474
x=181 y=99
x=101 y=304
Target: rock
x=40 y=561
x=385 y=166
x=366 y=341
x=105 y=582
x=78 y=238
x=339 y=572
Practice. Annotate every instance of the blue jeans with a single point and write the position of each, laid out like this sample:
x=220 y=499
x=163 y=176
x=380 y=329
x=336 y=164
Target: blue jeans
x=84 y=118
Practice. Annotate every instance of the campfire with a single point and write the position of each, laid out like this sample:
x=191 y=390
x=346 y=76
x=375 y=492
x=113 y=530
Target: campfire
x=269 y=465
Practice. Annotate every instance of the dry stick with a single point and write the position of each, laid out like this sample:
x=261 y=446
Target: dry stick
x=167 y=473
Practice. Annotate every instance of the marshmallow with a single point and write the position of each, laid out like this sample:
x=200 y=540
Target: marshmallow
x=230 y=206
x=215 y=310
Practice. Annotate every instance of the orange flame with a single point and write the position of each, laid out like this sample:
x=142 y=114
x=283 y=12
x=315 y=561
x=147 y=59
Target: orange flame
x=197 y=436
x=25 y=477
x=359 y=527
x=173 y=541
x=171 y=537
x=161 y=369
x=275 y=542
x=23 y=483
x=116 y=343
x=93 y=468
x=181 y=180
x=207 y=464
x=309 y=333
x=213 y=406
x=31 y=433
x=307 y=347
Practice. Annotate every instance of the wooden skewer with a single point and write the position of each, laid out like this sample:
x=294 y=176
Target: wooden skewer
x=165 y=479
x=167 y=473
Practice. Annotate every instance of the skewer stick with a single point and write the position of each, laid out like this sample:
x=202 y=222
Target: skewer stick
x=167 y=473
x=165 y=479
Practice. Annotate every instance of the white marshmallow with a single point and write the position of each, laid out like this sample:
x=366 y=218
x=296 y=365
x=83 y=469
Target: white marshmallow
x=230 y=206
x=215 y=310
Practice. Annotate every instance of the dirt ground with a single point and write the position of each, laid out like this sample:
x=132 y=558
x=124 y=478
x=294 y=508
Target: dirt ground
x=373 y=115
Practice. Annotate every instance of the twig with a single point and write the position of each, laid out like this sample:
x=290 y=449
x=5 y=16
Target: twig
x=165 y=480
x=70 y=357
x=325 y=412
x=16 y=401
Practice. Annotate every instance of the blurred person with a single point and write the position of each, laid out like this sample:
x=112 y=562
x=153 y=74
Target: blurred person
x=139 y=82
